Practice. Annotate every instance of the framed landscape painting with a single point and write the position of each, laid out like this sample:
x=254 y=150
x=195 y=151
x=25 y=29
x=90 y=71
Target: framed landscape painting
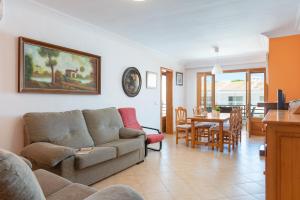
x=48 y=68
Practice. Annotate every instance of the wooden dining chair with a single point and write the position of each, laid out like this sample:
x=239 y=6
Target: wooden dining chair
x=197 y=110
x=202 y=128
x=183 y=128
x=229 y=132
x=239 y=125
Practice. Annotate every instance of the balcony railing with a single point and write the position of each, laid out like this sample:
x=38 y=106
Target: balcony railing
x=255 y=111
x=163 y=110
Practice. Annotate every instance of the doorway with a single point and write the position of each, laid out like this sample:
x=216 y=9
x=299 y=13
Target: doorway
x=166 y=103
x=257 y=94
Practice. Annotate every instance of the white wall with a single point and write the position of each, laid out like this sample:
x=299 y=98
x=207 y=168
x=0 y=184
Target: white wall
x=24 y=18
x=190 y=92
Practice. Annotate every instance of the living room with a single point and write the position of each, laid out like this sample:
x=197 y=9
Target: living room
x=197 y=46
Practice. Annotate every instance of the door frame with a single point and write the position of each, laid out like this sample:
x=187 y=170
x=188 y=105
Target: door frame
x=199 y=86
x=254 y=120
x=169 y=100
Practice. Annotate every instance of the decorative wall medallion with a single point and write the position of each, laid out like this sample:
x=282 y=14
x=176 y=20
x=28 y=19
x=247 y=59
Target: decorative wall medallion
x=131 y=81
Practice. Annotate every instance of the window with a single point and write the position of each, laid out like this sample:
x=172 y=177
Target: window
x=262 y=98
x=205 y=97
x=235 y=100
x=231 y=88
x=257 y=94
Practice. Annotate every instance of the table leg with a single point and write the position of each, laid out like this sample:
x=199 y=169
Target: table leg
x=193 y=133
x=221 y=139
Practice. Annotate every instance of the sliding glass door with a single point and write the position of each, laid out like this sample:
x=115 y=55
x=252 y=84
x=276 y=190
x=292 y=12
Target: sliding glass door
x=242 y=88
x=257 y=94
x=231 y=90
x=206 y=91
x=257 y=85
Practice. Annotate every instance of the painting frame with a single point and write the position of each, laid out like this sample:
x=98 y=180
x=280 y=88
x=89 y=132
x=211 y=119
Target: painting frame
x=22 y=88
x=179 y=78
x=149 y=84
x=128 y=74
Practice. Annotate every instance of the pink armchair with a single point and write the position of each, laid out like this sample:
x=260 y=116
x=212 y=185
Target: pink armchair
x=130 y=121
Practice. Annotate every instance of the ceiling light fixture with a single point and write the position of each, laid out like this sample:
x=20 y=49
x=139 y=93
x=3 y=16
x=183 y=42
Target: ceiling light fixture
x=139 y=0
x=217 y=69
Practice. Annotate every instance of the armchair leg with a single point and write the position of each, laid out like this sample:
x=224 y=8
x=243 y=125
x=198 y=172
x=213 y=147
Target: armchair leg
x=146 y=149
x=160 y=147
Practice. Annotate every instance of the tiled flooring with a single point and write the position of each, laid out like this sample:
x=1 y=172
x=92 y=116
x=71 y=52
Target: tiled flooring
x=180 y=172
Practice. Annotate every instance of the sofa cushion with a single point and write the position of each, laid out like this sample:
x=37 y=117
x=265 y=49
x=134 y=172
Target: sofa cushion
x=17 y=180
x=125 y=146
x=103 y=124
x=154 y=138
x=49 y=182
x=127 y=133
x=74 y=191
x=61 y=128
x=97 y=155
x=116 y=192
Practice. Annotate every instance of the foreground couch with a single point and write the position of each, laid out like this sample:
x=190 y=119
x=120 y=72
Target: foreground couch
x=17 y=182
x=54 y=140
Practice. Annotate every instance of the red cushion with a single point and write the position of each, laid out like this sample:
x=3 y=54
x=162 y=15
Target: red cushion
x=129 y=118
x=154 y=138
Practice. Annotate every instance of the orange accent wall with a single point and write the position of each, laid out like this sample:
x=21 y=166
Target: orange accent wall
x=284 y=67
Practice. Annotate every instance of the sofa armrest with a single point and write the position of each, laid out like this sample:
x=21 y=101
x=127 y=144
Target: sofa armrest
x=26 y=161
x=115 y=193
x=153 y=129
x=127 y=133
x=47 y=153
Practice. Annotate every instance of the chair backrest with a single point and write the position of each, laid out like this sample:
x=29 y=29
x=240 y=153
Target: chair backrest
x=197 y=110
x=240 y=118
x=181 y=115
x=129 y=118
x=234 y=120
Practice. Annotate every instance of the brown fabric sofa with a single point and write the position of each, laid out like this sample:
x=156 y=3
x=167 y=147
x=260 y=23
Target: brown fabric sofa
x=18 y=182
x=54 y=140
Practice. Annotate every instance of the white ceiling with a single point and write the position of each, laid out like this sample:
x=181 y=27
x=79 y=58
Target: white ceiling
x=187 y=29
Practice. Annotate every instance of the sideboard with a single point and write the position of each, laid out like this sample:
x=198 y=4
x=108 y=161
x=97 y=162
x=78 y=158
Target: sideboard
x=282 y=155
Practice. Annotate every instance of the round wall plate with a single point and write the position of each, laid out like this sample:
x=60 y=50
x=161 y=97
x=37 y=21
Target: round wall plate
x=131 y=81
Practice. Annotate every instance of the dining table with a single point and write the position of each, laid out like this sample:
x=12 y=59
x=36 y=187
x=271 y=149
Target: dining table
x=221 y=118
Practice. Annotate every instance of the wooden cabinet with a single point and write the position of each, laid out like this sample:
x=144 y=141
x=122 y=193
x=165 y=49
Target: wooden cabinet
x=283 y=156
x=256 y=127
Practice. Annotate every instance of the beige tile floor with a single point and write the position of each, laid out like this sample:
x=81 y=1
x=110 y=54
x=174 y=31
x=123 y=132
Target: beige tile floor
x=180 y=172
